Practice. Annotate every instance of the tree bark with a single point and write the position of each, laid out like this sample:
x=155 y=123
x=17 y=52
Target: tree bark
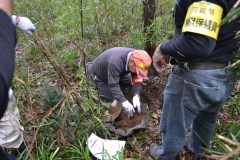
x=149 y=8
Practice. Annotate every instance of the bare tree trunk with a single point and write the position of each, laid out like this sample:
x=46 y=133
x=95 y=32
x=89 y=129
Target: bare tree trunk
x=149 y=8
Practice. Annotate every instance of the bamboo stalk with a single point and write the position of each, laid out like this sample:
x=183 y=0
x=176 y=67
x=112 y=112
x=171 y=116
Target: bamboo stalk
x=47 y=53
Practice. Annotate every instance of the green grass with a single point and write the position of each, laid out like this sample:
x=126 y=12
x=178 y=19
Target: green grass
x=39 y=87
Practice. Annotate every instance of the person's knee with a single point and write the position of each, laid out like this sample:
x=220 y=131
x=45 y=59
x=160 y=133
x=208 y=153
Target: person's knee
x=106 y=99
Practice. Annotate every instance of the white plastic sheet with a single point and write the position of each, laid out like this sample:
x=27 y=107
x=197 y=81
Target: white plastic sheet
x=105 y=149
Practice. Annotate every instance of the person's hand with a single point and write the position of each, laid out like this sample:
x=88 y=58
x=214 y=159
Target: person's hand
x=159 y=58
x=25 y=25
x=128 y=108
x=136 y=103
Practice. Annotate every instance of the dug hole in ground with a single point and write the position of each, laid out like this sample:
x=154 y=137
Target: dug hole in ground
x=141 y=128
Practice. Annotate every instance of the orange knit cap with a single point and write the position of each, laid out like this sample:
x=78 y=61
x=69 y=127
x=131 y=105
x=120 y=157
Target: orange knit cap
x=142 y=61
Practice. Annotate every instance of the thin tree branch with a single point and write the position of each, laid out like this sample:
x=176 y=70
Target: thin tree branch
x=47 y=53
x=228 y=140
x=230 y=154
x=234 y=64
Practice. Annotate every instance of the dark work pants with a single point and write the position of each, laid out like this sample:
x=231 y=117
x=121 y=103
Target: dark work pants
x=103 y=87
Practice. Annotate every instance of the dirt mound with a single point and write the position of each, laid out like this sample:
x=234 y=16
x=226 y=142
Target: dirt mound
x=125 y=123
x=120 y=123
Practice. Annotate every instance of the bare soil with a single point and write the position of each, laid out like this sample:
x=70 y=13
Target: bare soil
x=152 y=95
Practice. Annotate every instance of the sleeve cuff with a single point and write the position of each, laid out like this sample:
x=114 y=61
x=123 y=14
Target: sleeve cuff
x=136 y=88
x=163 y=46
x=14 y=19
x=123 y=99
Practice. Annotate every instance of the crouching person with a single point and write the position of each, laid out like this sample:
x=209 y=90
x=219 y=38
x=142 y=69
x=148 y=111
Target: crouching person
x=120 y=66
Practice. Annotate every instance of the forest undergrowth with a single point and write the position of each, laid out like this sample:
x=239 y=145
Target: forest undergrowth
x=59 y=106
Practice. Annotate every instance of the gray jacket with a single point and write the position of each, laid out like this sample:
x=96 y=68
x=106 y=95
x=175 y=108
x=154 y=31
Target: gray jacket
x=110 y=66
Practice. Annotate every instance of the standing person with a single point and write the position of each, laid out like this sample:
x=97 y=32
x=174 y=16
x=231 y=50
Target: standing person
x=200 y=80
x=7 y=54
x=11 y=131
x=118 y=66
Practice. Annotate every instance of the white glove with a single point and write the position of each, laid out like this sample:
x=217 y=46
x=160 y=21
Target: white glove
x=136 y=103
x=10 y=93
x=128 y=108
x=25 y=25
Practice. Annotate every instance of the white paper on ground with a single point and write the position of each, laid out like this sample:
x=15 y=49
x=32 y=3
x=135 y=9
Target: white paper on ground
x=105 y=149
